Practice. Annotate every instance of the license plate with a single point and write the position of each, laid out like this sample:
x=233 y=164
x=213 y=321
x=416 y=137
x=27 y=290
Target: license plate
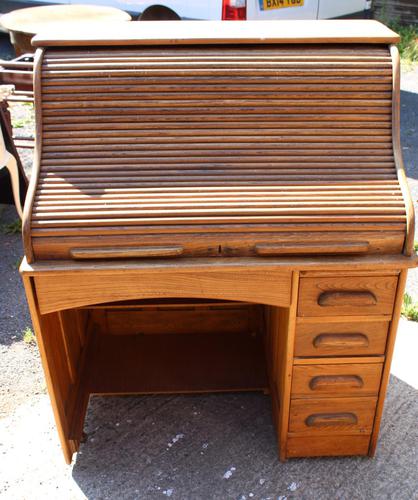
x=280 y=4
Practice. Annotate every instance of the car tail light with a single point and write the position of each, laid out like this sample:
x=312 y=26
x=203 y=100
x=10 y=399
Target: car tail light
x=234 y=10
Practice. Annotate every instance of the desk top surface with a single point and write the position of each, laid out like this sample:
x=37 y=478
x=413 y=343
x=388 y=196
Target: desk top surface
x=218 y=32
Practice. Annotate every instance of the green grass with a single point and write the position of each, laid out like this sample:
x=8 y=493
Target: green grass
x=12 y=228
x=408 y=46
x=23 y=122
x=28 y=336
x=19 y=122
x=409 y=308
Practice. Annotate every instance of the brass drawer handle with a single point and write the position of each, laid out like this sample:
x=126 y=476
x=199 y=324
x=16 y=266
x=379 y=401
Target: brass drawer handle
x=327 y=382
x=126 y=252
x=331 y=419
x=340 y=340
x=346 y=298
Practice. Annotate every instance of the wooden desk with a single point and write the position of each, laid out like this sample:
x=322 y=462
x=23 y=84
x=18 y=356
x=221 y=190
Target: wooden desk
x=221 y=207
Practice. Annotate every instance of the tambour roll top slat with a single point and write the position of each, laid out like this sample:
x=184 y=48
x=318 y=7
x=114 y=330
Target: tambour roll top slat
x=215 y=150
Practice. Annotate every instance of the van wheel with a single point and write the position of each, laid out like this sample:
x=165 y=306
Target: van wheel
x=158 y=13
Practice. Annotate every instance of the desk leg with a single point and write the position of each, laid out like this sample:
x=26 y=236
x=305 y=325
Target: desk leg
x=281 y=324
x=59 y=366
x=388 y=360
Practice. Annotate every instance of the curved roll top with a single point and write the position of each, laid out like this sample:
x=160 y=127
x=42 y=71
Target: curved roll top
x=226 y=150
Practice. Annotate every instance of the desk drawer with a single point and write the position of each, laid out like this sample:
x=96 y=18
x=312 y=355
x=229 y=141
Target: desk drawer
x=336 y=380
x=327 y=446
x=347 y=295
x=332 y=416
x=341 y=339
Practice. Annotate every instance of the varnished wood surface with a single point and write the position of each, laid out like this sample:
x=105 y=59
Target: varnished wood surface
x=343 y=360
x=336 y=380
x=327 y=446
x=341 y=339
x=359 y=265
x=264 y=183
x=389 y=354
x=54 y=363
x=221 y=32
x=194 y=143
x=63 y=292
x=27 y=210
x=328 y=416
x=140 y=364
x=181 y=319
x=397 y=151
x=347 y=296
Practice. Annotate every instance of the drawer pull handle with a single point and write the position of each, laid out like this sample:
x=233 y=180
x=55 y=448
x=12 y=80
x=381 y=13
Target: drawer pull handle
x=331 y=419
x=266 y=249
x=326 y=382
x=340 y=340
x=126 y=253
x=337 y=299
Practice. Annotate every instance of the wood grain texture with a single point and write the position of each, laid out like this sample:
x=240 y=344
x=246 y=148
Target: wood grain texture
x=58 y=391
x=264 y=156
x=233 y=151
x=341 y=339
x=284 y=362
x=397 y=151
x=342 y=380
x=382 y=288
x=330 y=416
x=30 y=195
x=389 y=354
x=149 y=364
x=222 y=32
x=126 y=252
x=360 y=266
x=327 y=446
x=340 y=361
x=63 y=292
x=179 y=319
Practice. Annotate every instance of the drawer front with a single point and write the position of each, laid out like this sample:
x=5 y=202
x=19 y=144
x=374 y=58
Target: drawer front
x=327 y=446
x=313 y=381
x=347 y=295
x=332 y=416
x=341 y=339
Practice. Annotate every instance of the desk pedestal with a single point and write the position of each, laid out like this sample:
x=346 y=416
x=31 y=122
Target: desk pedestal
x=320 y=341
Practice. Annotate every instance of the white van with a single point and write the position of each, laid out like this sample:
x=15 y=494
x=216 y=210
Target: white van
x=220 y=9
x=253 y=9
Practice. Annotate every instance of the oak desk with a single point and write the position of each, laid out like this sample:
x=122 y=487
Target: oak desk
x=221 y=207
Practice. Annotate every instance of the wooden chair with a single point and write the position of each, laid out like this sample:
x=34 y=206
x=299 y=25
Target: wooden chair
x=9 y=161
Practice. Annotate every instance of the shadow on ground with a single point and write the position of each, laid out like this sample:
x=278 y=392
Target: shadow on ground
x=14 y=313
x=224 y=446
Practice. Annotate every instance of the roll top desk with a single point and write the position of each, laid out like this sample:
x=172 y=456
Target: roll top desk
x=221 y=207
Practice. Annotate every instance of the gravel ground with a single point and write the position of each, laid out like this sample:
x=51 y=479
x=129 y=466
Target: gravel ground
x=217 y=446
